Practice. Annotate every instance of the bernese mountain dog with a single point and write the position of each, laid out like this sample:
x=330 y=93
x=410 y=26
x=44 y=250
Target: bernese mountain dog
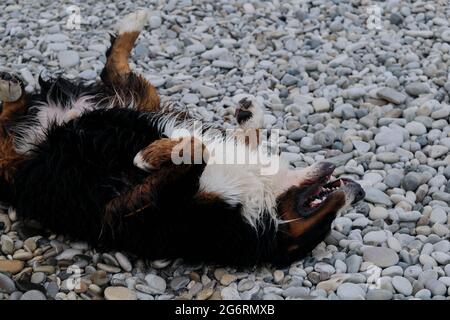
x=110 y=164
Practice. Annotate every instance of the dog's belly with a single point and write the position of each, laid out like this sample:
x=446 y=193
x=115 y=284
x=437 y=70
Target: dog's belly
x=79 y=167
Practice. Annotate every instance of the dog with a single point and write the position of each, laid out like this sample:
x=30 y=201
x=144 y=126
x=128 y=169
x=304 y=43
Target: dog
x=96 y=163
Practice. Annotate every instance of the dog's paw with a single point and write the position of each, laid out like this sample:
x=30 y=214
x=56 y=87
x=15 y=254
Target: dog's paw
x=163 y=152
x=133 y=22
x=11 y=87
x=249 y=114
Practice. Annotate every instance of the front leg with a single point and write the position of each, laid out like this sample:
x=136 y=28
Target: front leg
x=165 y=181
x=250 y=118
x=169 y=152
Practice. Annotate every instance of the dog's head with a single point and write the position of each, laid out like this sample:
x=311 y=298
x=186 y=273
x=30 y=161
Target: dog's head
x=309 y=208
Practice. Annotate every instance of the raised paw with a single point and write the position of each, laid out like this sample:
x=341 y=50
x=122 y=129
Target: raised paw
x=11 y=87
x=249 y=114
x=133 y=22
x=163 y=152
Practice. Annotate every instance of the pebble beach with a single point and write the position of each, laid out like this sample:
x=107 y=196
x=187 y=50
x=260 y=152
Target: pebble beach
x=362 y=84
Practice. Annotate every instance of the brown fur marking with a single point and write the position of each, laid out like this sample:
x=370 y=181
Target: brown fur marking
x=159 y=153
x=118 y=74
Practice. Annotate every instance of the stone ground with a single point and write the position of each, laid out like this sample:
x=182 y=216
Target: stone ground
x=364 y=87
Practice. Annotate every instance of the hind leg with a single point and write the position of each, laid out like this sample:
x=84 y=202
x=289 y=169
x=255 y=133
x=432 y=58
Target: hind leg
x=14 y=105
x=128 y=86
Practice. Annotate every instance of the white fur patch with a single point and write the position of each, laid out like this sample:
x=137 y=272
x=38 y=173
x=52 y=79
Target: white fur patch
x=133 y=22
x=235 y=182
x=34 y=131
x=139 y=162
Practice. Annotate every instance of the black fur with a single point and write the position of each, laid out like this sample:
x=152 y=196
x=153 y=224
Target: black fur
x=85 y=163
x=68 y=180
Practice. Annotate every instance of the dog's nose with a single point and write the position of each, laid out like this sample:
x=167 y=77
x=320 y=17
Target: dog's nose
x=324 y=169
x=327 y=167
x=359 y=194
x=356 y=190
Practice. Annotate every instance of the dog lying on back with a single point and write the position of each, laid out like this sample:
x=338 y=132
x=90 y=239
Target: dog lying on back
x=99 y=163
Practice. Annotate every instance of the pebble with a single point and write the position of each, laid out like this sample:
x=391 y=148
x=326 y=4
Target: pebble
x=230 y=293
x=376 y=196
x=437 y=151
x=68 y=58
x=353 y=263
x=391 y=95
x=380 y=256
x=190 y=98
x=6 y=284
x=205 y=294
x=375 y=237
x=156 y=283
x=417 y=88
x=208 y=92
x=178 y=283
x=423 y=294
x=402 y=285
x=7 y=245
x=416 y=128
x=123 y=261
x=361 y=146
x=321 y=105
x=436 y=287
x=388 y=136
x=296 y=292
x=11 y=266
x=278 y=276
x=227 y=278
x=119 y=293
x=350 y=291
x=438 y=215
x=88 y=75
x=411 y=181
x=38 y=277
x=378 y=213
x=394 y=244
x=33 y=295
x=379 y=294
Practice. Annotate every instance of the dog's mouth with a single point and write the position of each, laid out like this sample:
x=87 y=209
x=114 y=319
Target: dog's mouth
x=321 y=193
x=316 y=195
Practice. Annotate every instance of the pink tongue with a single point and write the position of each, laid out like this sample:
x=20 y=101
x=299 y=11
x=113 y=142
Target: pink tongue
x=315 y=203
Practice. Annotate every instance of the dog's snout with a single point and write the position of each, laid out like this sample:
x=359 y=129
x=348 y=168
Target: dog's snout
x=324 y=169
x=327 y=167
